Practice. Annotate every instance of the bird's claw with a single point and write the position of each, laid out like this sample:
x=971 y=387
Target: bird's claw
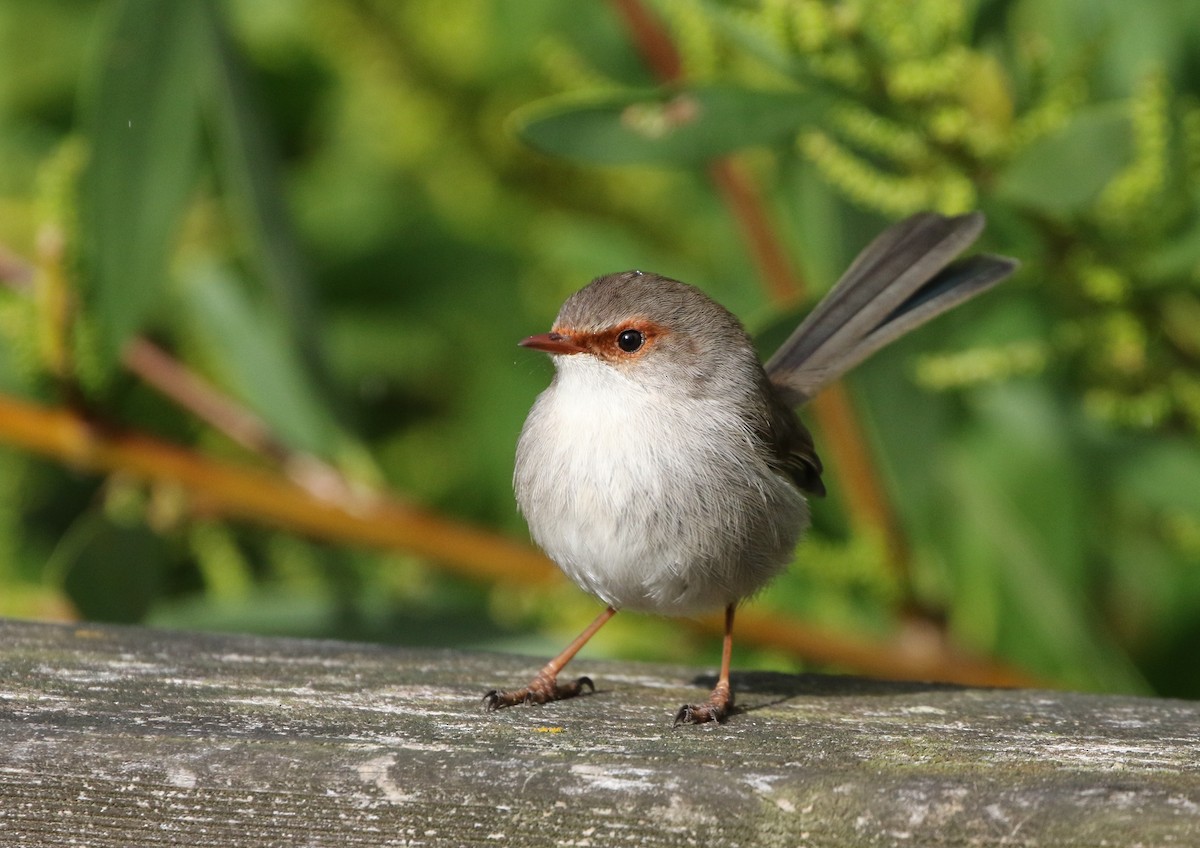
x=542 y=689
x=716 y=709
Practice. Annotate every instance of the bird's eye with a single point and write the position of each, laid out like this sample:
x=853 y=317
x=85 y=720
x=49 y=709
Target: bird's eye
x=630 y=340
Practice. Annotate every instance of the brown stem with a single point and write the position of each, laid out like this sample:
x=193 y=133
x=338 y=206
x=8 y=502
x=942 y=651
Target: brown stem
x=257 y=495
x=171 y=378
x=162 y=372
x=15 y=270
x=745 y=203
x=651 y=38
x=868 y=503
x=174 y=380
x=892 y=660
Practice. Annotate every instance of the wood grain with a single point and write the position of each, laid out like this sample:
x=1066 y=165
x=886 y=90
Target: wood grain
x=127 y=736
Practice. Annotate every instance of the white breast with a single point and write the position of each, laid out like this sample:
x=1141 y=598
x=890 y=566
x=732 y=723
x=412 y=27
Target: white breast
x=647 y=504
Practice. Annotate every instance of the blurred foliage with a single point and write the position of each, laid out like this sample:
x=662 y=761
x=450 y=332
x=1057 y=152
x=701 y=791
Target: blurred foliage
x=344 y=214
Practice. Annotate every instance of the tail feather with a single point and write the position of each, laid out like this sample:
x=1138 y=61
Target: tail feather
x=902 y=279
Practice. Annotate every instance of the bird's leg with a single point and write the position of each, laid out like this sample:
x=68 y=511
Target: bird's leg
x=545 y=686
x=720 y=702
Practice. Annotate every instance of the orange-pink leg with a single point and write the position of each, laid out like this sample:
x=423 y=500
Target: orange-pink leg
x=720 y=702
x=545 y=686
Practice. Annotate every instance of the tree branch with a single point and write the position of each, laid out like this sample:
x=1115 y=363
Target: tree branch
x=266 y=498
x=174 y=380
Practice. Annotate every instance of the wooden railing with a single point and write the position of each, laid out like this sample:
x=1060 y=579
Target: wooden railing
x=128 y=736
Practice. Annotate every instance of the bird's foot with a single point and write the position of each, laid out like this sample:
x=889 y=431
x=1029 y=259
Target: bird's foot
x=542 y=689
x=717 y=708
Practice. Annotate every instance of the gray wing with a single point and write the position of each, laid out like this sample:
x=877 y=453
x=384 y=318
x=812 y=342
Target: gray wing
x=794 y=453
x=902 y=279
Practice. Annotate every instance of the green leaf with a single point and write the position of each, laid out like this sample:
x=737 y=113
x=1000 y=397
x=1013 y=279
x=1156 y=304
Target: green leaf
x=110 y=570
x=250 y=349
x=757 y=41
x=249 y=169
x=143 y=126
x=1161 y=475
x=1176 y=256
x=1064 y=172
x=1018 y=500
x=667 y=127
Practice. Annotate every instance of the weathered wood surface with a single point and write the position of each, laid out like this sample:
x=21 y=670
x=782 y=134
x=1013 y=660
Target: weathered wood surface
x=124 y=736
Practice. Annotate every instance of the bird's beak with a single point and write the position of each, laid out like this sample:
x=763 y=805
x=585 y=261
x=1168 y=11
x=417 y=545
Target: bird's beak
x=552 y=343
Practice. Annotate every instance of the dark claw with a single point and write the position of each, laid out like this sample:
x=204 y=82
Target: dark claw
x=697 y=714
x=717 y=708
x=570 y=690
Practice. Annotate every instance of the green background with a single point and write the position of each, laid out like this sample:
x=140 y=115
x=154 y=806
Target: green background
x=345 y=214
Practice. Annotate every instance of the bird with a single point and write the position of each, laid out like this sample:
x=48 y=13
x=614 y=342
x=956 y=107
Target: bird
x=665 y=470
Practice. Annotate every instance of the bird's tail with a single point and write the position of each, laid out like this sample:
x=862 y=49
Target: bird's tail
x=903 y=278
